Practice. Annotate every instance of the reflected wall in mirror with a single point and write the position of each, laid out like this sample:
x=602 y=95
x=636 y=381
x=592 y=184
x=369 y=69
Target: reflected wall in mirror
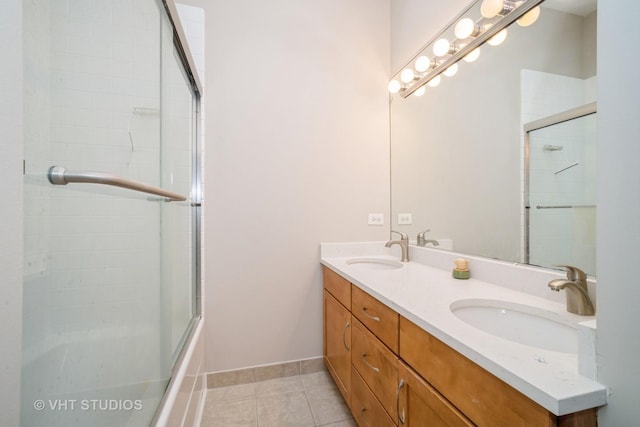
x=458 y=151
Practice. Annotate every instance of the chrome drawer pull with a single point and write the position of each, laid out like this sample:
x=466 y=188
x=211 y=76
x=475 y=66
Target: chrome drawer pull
x=362 y=415
x=344 y=336
x=364 y=311
x=401 y=416
x=364 y=360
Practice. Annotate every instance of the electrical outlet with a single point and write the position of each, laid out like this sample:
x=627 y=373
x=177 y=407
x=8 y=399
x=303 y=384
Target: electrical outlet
x=405 y=219
x=376 y=219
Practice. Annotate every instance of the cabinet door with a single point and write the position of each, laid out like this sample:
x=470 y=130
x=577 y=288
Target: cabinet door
x=419 y=404
x=337 y=343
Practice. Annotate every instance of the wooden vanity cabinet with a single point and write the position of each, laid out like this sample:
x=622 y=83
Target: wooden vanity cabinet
x=337 y=330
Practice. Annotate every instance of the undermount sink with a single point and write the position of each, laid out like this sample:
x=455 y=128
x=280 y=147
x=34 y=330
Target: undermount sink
x=519 y=323
x=375 y=263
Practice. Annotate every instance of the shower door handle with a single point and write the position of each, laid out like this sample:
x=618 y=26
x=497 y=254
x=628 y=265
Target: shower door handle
x=60 y=176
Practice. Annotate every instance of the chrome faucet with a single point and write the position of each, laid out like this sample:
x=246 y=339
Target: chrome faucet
x=423 y=242
x=578 y=300
x=404 y=245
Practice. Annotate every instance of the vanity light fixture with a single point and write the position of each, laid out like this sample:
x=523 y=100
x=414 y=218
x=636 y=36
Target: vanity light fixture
x=470 y=34
x=466 y=28
x=394 y=86
x=498 y=39
x=451 y=71
x=407 y=75
x=530 y=17
x=492 y=8
x=420 y=91
x=423 y=63
x=442 y=47
x=473 y=55
x=434 y=81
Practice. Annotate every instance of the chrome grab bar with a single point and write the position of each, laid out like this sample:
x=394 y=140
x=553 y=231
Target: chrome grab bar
x=60 y=176
x=565 y=206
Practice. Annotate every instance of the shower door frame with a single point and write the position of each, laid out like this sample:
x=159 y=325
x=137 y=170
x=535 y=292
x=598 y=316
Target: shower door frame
x=181 y=46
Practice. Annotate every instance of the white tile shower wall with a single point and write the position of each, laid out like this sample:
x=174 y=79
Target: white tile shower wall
x=544 y=94
x=93 y=83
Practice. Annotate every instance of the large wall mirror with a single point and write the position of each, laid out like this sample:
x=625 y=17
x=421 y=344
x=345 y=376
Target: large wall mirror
x=462 y=153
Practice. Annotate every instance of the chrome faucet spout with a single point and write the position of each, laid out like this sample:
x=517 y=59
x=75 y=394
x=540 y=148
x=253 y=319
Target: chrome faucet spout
x=422 y=241
x=578 y=300
x=404 y=245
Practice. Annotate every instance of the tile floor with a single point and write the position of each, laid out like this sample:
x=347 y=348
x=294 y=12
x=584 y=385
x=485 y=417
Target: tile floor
x=304 y=399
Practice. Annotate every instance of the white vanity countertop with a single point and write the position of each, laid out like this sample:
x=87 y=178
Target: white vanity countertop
x=423 y=294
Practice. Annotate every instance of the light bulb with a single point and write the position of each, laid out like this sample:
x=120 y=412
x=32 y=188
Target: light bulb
x=406 y=75
x=441 y=47
x=491 y=8
x=420 y=91
x=530 y=17
x=498 y=39
x=466 y=28
x=434 y=81
x=473 y=55
x=394 y=86
x=422 y=64
x=451 y=71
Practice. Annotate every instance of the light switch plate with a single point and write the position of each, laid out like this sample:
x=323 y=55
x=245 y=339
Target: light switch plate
x=405 y=219
x=376 y=219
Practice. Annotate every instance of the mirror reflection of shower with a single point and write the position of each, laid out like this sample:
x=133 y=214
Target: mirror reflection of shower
x=560 y=199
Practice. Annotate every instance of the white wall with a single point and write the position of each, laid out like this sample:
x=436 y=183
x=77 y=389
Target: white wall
x=10 y=209
x=618 y=236
x=296 y=154
x=415 y=22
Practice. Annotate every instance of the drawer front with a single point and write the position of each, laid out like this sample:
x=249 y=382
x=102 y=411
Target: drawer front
x=421 y=405
x=365 y=408
x=380 y=319
x=377 y=365
x=483 y=398
x=337 y=285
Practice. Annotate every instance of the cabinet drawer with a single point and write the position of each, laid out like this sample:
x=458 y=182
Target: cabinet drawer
x=380 y=319
x=376 y=364
x=483 y=398
x=337 y=285
x=365 y=408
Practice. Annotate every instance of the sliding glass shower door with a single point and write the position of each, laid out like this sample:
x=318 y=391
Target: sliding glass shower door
x=110 y=272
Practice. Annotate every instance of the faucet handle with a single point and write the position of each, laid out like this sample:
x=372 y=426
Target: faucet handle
x=403 y=236
x=574 y=273
x=422 y=233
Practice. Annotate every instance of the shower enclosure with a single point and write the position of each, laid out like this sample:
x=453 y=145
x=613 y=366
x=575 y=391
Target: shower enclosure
x=561 y=189
x=111 y=194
